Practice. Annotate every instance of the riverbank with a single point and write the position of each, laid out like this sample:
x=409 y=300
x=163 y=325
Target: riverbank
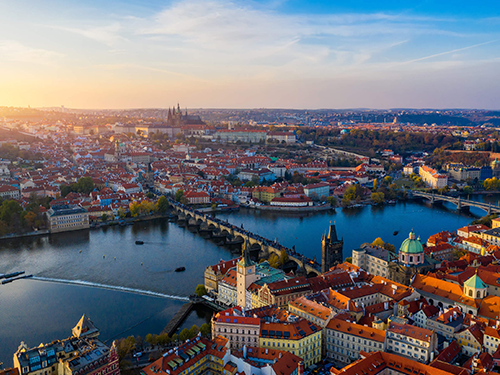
x=12 y=236
x=290 y=209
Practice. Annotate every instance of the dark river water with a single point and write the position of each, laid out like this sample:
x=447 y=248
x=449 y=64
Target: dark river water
x=45 y=309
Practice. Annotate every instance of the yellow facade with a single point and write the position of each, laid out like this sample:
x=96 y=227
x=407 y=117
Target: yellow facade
x=308 y=348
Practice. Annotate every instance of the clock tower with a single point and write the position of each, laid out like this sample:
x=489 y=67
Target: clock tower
x=245 y=276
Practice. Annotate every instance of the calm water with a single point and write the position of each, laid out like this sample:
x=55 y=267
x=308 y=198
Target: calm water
x=37 y=311
x=355 y=226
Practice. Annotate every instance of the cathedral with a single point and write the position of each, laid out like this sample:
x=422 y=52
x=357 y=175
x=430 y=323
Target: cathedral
x=177 y=118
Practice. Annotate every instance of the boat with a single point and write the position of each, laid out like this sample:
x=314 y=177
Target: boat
x=180 y=269
x=10 y=275
x=395 y=233
x=139 y=242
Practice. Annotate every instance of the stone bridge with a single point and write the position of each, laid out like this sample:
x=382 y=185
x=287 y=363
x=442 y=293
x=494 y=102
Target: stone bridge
x=236 y=235
x=459 y=202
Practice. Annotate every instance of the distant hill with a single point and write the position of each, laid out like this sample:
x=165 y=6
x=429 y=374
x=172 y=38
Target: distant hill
x=435 y=118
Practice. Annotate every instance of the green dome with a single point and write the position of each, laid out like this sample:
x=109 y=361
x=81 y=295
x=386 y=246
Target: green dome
x=475 y=282
x=411 y=245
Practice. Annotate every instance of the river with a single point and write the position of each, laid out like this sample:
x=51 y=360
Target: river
x=40 y=311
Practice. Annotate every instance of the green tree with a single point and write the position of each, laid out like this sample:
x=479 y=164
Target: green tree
x=9 y=210
x=179 y=194
x=388 y=180
x=332 y=200
x=104 y=218
x=468 y=190
x=348 y=260
x=193 y=331
x=200 y=290
x=162 y=205
x=184 y=335
x=205 y=329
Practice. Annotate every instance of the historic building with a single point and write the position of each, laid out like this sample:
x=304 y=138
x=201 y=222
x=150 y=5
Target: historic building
x=65 y=218
x=410 y=260
x=373 y=259
x=410 y=341
x=331 y=250
x=345 y=340
x=80 y=354
x=239 y=329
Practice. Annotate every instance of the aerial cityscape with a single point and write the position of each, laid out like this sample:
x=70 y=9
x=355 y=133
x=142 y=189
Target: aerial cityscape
x=257 y=188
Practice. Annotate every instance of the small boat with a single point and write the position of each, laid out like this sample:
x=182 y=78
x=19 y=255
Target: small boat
x=395 y=233
x=180 y=269
x=139 y=242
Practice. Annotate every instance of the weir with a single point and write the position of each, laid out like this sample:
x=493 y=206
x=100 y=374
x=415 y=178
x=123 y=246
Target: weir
x=111 y=287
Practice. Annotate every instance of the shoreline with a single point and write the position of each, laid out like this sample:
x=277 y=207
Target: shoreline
x=289 y=209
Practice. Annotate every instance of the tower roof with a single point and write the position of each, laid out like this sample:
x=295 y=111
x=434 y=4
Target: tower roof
x=245 y=257
x=475 y=282
x=332 y=234
x=85 y=327
x=411 y=245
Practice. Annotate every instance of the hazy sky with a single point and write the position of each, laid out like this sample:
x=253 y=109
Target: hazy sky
x=246 y=54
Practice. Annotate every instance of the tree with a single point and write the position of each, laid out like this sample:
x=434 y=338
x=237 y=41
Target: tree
x=283 y=256
x=332 y=200
x=30 y=218
x=184 y=335
x=104 y=218
x=388 y=180
x=274 y=260
x=378 y=242
x=134 y=208
x=162 y=205
x=193 y=331
x=378 y=197
x=468 y=190
x=374 y=184
x=205 y=329
x=200 y=290
x=179 y=194
x=348 y=259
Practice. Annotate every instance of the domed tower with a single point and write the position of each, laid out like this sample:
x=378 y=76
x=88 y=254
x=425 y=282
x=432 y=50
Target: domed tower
x=411 y=252
x=475 y=288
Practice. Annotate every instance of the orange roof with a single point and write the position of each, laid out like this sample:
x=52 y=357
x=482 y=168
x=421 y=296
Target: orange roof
x=377 y=362
x=441 y=288
x=311 y=307
x=354 y=329
x=411 y=331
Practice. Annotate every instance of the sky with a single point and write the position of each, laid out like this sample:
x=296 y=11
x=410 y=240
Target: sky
x=250 y=54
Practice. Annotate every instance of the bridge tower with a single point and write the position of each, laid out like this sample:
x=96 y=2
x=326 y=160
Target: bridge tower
x=331 y=250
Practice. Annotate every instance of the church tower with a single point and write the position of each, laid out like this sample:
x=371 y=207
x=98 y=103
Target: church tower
x=245 y=276
x=331 y=250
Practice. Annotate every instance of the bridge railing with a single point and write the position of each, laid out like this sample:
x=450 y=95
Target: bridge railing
x=307 y=262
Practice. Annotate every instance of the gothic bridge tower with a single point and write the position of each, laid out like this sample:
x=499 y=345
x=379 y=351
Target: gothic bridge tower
x=331 y=250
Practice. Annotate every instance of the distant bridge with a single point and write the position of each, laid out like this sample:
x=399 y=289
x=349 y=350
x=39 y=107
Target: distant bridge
x=459 y=202
x=235 y=235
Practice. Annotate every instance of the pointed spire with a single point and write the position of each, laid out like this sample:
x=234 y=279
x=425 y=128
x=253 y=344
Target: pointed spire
x=332 y=234
x=245 y=256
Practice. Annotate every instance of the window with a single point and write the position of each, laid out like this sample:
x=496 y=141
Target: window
x=470 y=293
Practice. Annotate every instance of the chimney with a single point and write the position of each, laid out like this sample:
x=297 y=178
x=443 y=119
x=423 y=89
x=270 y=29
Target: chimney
x=301 y=368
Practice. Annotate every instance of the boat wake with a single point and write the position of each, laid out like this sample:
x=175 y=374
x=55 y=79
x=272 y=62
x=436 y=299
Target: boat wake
x=111 y=287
